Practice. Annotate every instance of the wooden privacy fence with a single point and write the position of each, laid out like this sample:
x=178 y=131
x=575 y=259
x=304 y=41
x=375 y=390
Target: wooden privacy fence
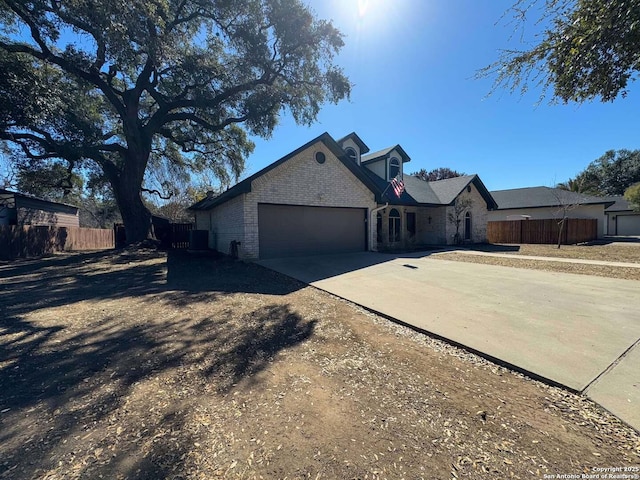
x=179 y=235
x=35 y=241
x=576 y=230
x=171 y=235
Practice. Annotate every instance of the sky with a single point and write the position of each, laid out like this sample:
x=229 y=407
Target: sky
x=412 y=63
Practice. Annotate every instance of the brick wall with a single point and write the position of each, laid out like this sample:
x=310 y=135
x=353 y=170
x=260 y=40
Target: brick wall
x=431 y=232
x=479 y=218
x=302 y=181
x=225 y=223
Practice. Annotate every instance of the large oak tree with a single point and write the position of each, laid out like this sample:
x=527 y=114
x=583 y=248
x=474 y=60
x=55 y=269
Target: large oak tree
x=581 y=49
x=119 y=86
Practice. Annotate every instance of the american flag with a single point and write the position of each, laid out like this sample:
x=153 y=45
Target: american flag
x=398 y=186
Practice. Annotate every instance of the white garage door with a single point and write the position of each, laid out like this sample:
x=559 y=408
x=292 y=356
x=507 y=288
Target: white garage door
x=628 y=224
x=292 y=230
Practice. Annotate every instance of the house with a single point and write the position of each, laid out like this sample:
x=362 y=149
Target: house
x=20 y=209
x=545 y=202
x=331 y=196
x=621 y=218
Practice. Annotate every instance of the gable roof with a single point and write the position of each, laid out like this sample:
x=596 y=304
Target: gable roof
x=539 y=197
x=385 y=194
x=358 y=141
x=245 y=185
x=417 y=192
x=438 y=193
x=448 y=189
x=7 y=194
x=620 y=204
x=384 y=153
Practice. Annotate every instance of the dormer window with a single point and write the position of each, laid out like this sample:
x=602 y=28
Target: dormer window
x=352 y=154
x=394 y=168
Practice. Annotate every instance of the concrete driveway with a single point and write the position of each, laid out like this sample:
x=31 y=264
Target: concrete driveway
x=575 y=330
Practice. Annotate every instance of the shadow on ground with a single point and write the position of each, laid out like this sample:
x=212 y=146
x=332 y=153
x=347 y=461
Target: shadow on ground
x=493 y=247
x=616 y=239
x=76 y=364
x=315 y=268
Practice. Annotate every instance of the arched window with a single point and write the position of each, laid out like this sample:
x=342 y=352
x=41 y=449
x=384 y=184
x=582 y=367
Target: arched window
x=352 y=154
x=467 y=226
x=394 y=168
x=394 y=226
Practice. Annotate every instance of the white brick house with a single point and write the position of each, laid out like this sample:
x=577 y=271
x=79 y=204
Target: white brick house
x=328 y=196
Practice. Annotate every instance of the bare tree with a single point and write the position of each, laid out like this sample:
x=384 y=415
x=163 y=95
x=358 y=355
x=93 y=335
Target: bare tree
x=456 y=215
x=567 y=201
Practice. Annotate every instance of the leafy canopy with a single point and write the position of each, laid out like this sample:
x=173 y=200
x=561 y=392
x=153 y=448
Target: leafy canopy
x=130 y=86
x=632 y=195
x=436 y=174
x=583 y=49
x=611 y=174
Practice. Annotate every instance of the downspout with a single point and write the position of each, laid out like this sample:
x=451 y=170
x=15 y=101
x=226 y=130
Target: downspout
x=374 y=211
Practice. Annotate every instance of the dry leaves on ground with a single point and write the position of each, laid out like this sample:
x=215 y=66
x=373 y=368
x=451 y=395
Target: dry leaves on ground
x=132 y=365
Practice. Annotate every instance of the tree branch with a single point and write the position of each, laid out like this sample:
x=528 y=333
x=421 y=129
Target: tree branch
x=156 y=192
x=177 y=117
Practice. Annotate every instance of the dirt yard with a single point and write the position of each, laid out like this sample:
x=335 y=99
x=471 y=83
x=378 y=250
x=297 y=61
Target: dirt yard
x=614 y=252
x=610 y=252
x=134 y=365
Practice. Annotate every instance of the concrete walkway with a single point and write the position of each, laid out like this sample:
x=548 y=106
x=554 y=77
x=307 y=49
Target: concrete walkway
x=544 y=259
x=579 y=331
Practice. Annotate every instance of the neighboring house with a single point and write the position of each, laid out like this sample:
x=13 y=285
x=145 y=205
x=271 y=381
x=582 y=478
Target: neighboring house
x=332 y=196
x=20 y=209
x=621 y=218
x=545 y=202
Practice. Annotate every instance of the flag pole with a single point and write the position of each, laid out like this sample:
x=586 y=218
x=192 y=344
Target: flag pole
x=385 y=190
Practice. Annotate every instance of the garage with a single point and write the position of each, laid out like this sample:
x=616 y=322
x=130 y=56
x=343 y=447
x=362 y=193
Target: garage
x=294 y=230
x=628 y=224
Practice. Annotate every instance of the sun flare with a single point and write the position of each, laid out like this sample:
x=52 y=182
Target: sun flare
x=363 y=7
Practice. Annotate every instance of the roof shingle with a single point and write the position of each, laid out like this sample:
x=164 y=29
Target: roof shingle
x=536 y=197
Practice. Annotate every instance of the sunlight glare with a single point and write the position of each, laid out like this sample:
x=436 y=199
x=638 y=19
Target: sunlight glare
x=363 y=7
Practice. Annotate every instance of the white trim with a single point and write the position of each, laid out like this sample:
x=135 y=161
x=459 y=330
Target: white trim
x=371 y=227
x=389 y=177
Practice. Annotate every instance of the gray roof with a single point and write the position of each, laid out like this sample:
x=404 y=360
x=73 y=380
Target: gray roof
x=419 y=192
x=619 y=205
x=384 y=152
x=9 y=193
x=245 y=185
x=354 y=136
x=448 y=189
x=538 y=197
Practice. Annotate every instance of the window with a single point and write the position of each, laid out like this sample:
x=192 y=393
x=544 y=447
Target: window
x=467 y=226
x=411 y=224
x=394 y=168
x=320 y=157
x=394 y=226
x=379 y=228
x=352 y=154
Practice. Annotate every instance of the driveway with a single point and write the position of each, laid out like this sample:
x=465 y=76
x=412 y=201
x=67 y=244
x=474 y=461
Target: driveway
x=575 y=330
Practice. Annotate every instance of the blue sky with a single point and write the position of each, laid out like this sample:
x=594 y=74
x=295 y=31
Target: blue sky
x=412 y=63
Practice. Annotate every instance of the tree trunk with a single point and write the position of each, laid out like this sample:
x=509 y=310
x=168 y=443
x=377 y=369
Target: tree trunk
x=127 y=191
x=560 y=230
